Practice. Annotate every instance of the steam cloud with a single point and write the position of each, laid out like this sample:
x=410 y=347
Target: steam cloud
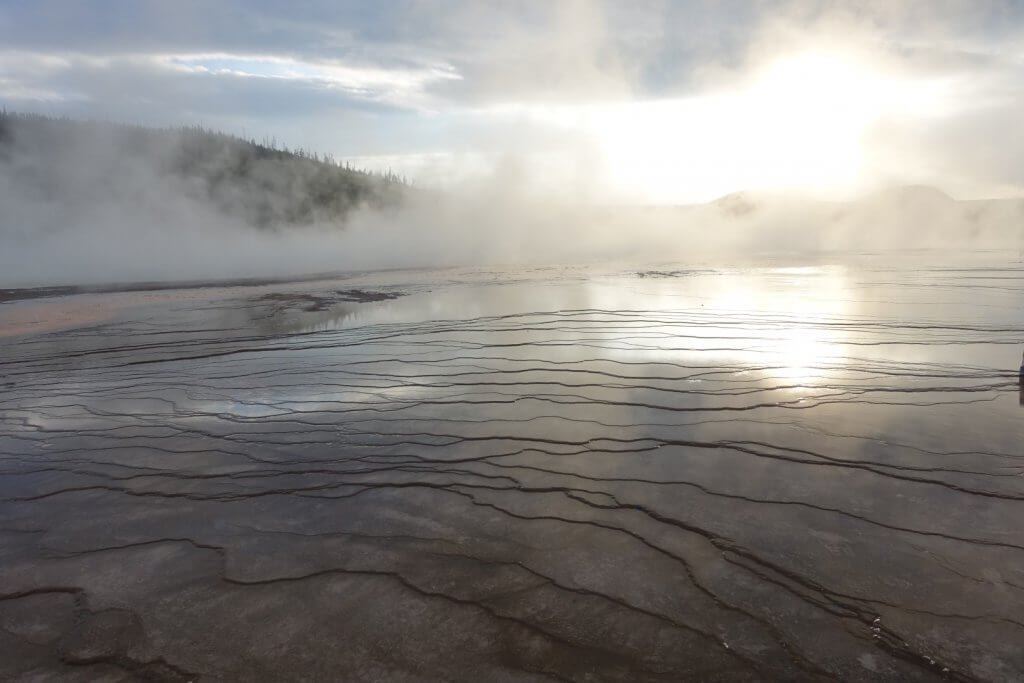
x=83 y=210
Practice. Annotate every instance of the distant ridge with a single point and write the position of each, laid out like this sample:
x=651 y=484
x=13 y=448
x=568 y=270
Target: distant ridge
x=895 y=193
x=899 y=216
x=910 y=193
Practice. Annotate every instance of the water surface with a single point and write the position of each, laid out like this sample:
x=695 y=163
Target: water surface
x=795 y=469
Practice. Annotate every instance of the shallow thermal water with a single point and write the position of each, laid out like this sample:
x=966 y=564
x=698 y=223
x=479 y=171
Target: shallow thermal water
x=799 y=470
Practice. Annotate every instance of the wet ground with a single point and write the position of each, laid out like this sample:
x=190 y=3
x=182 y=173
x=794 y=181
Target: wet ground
x=798 y=470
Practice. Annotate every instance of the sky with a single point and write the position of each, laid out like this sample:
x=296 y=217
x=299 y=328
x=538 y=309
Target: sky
x=645 y=101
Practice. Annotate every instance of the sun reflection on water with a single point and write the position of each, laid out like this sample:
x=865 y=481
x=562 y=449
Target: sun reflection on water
x=794 y=310
x=783 y=320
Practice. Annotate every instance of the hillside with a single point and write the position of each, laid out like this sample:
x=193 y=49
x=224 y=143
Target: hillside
x=59 y=172
x=897 y=217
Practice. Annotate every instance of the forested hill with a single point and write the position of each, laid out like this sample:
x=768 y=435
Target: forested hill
x=61 y=169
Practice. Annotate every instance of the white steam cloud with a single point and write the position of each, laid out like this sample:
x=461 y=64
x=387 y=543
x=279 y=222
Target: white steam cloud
x=571 y=116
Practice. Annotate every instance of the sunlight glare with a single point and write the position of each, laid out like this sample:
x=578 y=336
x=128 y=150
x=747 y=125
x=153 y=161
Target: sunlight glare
x=799 y=123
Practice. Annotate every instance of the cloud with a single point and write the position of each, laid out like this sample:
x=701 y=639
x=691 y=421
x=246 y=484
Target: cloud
x=193 y=73
x=400 y=81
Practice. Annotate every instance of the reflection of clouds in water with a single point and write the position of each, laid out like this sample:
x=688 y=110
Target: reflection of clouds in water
x=305 y=397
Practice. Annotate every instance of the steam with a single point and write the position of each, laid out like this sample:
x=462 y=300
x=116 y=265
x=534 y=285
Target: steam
x=542 y=184
x=102 y=215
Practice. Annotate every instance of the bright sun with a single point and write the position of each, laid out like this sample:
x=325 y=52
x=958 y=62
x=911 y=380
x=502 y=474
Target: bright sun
x=799 y=122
